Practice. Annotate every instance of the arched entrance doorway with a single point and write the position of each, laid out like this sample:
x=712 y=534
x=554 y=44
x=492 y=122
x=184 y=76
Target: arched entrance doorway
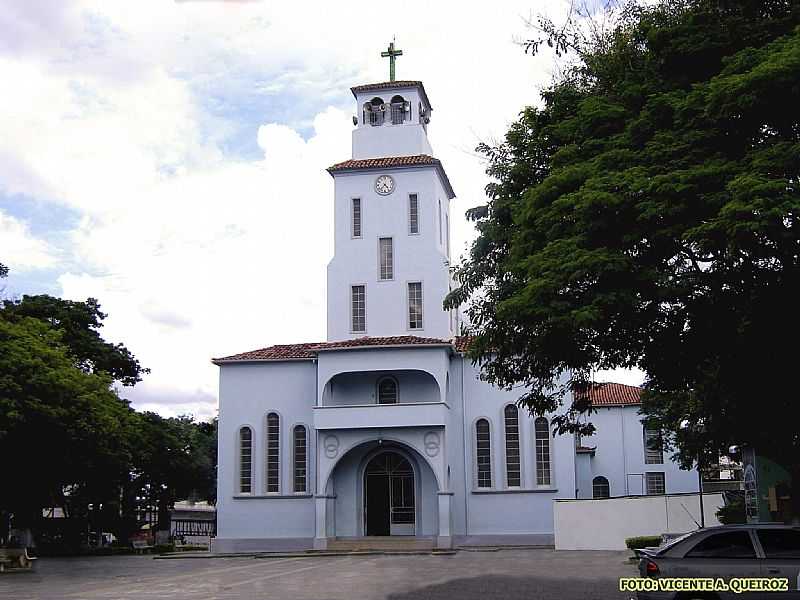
x=389 y=504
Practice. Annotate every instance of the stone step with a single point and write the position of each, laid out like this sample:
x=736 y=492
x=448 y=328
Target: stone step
x=381 y=543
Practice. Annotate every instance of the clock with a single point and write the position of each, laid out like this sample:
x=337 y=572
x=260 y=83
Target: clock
x=384 y=185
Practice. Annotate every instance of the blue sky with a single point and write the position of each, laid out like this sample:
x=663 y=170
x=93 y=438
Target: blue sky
x=168 y=157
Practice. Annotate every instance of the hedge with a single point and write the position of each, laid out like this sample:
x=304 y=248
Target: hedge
x=643 y=541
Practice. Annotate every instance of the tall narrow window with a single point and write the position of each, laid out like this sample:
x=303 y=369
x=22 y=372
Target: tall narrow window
x=654 y=484
x=600 y=487
x=356 y=222
x=300 y=458
x=653 y=450
x=358 y=308
x=413 y=213
x=387 y=391
x=483 y=453
x=447 y=233
x=245 y=460
x=415 y=305
x=273 y=453
x=386 y=258
x=542 y=434
x=440 y=221
x=511 y=416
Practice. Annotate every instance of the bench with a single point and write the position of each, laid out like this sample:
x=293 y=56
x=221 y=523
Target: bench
x=141 y=546
x=15 y=558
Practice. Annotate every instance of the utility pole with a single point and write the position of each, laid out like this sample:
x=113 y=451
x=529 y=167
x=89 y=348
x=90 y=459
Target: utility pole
x=700 y=487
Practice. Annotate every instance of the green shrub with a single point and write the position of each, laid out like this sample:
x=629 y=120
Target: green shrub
x=164 y=548
x=733 y=512
x=643 y=541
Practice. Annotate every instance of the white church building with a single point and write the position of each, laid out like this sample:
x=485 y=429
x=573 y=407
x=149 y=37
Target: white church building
x=385 y=429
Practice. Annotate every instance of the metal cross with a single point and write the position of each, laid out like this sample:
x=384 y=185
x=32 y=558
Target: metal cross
x=392 y=55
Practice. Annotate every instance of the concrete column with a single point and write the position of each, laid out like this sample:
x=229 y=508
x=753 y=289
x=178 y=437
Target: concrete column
x=445 y=538
x=321 y=530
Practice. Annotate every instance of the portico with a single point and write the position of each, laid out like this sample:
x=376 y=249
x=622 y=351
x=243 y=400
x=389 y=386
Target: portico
x=384 y=482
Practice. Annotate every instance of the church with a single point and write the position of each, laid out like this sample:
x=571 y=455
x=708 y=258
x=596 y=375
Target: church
x=385 y=428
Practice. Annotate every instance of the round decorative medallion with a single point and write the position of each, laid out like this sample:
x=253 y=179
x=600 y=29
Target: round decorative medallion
x=384 y=185
x=431 y=443
x=331 y=445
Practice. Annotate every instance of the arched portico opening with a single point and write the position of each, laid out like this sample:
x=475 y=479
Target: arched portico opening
x=382 y=487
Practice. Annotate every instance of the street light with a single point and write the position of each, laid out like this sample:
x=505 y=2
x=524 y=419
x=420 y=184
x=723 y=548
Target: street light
x=685 y=424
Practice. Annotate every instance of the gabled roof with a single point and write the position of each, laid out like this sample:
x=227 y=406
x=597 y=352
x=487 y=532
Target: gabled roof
x=612 y=394
x=387 y=85
x=395 y=162
x=308 y=351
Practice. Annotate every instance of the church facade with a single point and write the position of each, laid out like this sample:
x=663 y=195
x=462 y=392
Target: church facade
x=385 y=428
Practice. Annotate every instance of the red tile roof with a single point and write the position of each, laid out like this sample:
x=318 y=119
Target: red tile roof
x=397 y=340
x=385 y=162
x=612 y=394
x=385 y=85
x=279 y=352
x=308 y=351
x=462 y=342
x=395 y=162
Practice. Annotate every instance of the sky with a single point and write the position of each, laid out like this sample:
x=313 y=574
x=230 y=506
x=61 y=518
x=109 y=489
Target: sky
x=168 y=157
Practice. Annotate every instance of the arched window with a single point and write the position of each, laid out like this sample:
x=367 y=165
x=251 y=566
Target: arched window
x=374 y=111
x=511 y=420
x=300 y=458
x=398 y=105
x=245 y=460
x=483 y=453
x=273 y=453
x=600 y=487
x=542 y=434
x=387 y=390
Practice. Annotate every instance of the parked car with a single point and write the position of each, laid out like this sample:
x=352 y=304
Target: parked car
x=729 y=551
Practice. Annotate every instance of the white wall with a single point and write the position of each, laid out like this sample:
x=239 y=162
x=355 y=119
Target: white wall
x=619 y=455
x=417 y=257
x=247 y=393
x=502 y=510
x=605 y=524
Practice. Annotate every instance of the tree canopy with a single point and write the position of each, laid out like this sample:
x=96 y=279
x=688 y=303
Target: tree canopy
x=79 y=324
x=646 y=215
x=70 y=441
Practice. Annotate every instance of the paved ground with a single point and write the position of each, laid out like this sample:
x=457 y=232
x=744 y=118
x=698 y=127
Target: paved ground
x=506 y=575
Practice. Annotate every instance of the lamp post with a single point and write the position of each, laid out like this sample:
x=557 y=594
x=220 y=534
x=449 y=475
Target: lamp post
x=700 y=487
x=697 y=429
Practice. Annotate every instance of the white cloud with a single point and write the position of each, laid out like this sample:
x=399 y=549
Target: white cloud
x=194 y=252
x=19 y=249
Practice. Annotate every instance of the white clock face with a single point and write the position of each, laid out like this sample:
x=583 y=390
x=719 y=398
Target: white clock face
x=384 y=185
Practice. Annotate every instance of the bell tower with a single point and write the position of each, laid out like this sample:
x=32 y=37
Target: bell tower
x=390 y=270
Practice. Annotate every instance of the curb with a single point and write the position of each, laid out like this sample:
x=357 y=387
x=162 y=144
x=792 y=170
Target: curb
x=305 y=554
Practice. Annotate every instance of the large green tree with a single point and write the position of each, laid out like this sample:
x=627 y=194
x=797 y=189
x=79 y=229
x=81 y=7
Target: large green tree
x=64 y=434
x=646 y=215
